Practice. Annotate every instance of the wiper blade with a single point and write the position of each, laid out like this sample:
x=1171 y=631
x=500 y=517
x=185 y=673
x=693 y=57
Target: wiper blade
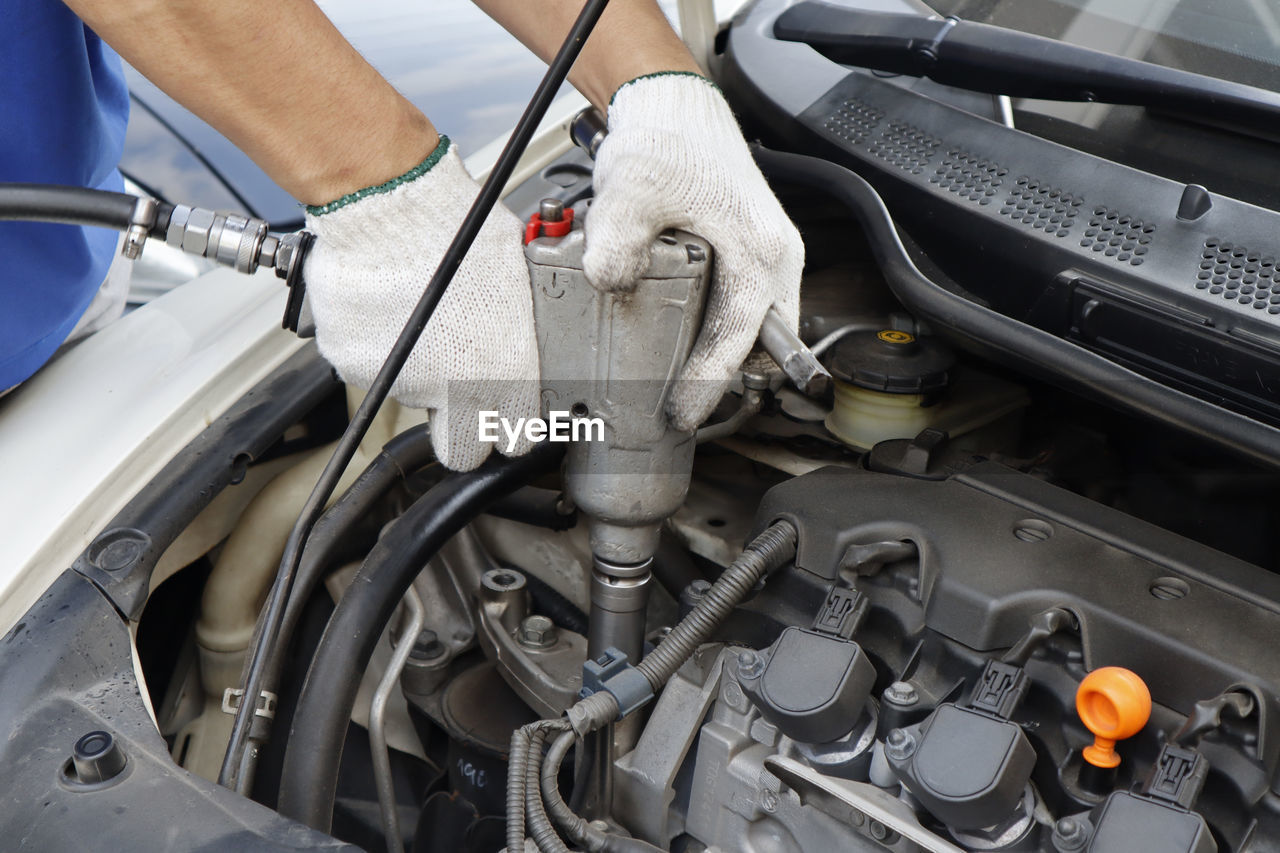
x=986 y=58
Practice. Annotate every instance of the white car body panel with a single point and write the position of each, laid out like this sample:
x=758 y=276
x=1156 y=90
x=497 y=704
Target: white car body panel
x=87 y=432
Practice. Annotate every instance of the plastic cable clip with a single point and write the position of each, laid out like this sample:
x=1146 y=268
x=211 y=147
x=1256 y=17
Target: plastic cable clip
x=614 y=674
x=232 y=697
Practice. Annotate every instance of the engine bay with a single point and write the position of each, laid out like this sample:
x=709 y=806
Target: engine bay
x=958 y=596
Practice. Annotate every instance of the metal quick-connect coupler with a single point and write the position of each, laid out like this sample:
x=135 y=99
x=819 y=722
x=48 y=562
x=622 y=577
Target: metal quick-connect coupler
x=228 y=239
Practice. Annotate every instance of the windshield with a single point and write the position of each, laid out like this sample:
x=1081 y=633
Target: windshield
x=1236 y=40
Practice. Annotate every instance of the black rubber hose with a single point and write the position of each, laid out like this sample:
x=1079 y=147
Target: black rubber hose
x=400 y=457
x=273 y=609
x=314 y=753
x=72 y=206
x=550 y=603
x=536 y=506
x=1079 y=369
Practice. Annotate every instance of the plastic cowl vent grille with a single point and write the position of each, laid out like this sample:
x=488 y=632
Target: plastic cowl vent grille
x=1127 y=239
x=1039 y=205
x=969 y=177
x=854 y=121
x=905 y=146
x=1239 y=275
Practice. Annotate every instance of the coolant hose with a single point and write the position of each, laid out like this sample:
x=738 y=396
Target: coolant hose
x=314 y=753
x=75 y=206
x=1082 y=370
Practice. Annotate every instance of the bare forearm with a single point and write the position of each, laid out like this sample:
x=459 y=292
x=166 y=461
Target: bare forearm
x=633 y=38
x=279 y=81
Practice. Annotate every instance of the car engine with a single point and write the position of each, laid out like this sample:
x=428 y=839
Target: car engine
x=984 y=559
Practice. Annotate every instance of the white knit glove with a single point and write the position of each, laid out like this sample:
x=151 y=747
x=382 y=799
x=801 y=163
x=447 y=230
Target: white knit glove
x=374 y=253
x=675 y=158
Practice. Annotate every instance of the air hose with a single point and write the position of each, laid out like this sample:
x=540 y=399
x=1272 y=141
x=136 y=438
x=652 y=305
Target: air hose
x=314 y=753
x=774 y=547
x=75 y=206
x=273 y=609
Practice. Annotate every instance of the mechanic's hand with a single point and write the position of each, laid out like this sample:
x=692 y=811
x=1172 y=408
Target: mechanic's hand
x=374 y=253
x=675 y=158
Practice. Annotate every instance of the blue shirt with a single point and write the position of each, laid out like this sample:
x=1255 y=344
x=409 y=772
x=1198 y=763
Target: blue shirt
x=63 y=109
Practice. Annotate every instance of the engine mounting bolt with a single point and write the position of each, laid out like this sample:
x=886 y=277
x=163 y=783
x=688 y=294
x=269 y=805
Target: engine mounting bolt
x=427 y=646
x=750 y=664
x=1069 y=834
x=901 y=693
x=537 y=632
x=899 y=745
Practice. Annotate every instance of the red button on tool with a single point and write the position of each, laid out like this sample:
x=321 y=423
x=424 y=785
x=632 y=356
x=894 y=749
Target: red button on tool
x=539 y=227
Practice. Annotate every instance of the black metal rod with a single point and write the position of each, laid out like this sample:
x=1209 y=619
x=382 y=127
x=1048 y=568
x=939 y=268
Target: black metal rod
x=273 y=610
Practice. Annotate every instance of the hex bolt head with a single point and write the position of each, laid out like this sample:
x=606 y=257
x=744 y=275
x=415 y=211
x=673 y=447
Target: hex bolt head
x=537 y=632
x=1070 y=834
x=427 y=646
x=750 y=664
x=901 y=693
x=97 y=757
x=899 y=745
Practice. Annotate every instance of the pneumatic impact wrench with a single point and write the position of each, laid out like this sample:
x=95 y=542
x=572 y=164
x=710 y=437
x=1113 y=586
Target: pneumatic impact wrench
x=609 y=360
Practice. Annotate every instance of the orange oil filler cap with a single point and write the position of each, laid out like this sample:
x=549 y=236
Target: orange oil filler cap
x=1114 y=704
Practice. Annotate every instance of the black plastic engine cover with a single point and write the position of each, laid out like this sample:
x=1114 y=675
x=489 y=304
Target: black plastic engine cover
x=998 y=547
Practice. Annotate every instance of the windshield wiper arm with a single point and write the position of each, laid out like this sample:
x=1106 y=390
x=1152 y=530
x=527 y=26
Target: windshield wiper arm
x=986 y=58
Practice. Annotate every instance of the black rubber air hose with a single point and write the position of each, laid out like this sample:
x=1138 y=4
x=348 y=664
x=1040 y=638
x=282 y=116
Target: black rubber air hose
x=1081 y=370
x=314 y=752
x=75 y=206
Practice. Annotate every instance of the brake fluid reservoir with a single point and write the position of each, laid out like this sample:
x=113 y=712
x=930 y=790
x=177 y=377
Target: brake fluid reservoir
x=890 y=384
